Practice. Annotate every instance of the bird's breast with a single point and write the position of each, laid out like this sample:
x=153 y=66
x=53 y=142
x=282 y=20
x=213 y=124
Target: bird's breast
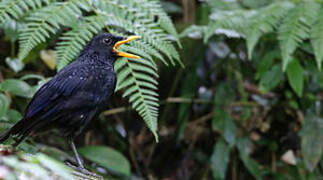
x=100 y=84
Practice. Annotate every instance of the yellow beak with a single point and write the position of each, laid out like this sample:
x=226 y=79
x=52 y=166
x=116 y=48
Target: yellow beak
x=124 y=54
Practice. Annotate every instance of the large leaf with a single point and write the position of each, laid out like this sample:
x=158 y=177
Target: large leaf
x=4 y=104
x=295 y=74
x=220 y=159
x=271 y=79
x=37 y=166
x=33 y=169
x=13 y=116
x=312 y=141
x=224 y=94
x=244 y=145
x=15 y=64
x=107 y=157
x=16 y=87
x=189 y=85
x=265 y=64
x=223 y=123
x=230 y=130
x=55 y=166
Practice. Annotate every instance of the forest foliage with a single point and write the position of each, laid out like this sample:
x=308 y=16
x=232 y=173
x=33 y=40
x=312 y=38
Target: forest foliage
x=237 y=94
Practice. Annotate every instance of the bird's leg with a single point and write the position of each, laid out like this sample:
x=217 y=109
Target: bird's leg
x=77 y=157
x=79 y=162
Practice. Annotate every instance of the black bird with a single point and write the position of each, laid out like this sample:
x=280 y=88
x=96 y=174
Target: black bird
x=76 y=95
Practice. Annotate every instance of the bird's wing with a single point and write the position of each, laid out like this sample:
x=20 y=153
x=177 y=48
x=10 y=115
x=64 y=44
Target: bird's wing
x=46 y=103
x=55 y=91
x=72 y=98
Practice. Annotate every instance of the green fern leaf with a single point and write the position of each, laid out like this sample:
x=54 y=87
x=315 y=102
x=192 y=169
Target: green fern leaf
x=234 y=20
x=295 y=28
x=317 y=39
x=45 y=21
x=135 y=50
x=147 y=35
x=17 y=8
x=134 y=78
x=194 y=31
x=295 y=21
x=121 y=16
x=153 y=9
x=73 y=41
x=264 y=21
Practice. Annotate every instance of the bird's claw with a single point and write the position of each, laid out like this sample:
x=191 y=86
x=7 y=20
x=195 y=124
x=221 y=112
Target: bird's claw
x=83 y=171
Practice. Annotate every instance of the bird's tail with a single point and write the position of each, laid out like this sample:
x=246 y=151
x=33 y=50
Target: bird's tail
x=17 y=129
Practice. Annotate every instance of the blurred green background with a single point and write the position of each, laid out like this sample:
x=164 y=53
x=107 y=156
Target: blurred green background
x=243 y=100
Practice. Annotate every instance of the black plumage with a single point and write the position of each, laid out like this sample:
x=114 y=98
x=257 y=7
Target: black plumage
x=77 y=94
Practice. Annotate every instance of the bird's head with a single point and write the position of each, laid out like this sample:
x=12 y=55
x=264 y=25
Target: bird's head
x=108 y=43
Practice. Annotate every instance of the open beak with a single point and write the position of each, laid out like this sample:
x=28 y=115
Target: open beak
x=124 y=54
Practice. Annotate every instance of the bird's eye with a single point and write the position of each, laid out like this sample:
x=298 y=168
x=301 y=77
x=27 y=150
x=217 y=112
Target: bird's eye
x=107 y=41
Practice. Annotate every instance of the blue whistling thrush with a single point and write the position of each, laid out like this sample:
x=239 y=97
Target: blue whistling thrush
x=76 y=94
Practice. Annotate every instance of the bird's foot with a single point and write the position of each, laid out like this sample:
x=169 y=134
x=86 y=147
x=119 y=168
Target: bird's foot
x=82 y=172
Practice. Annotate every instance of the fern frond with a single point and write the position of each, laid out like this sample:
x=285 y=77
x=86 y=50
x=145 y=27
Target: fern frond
x=295 y=28
x=149 y=50
x=154 y=9
x=143 y=25
x=194 y=31
x=234 y=20
x=140 y=83
x=135 y=50
x=73 y=41
x=141 y=17
x=148 y=36
x=17 y=8
x=150 y=10
x=317 y=39
x=45 y=21
x=264 y=21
